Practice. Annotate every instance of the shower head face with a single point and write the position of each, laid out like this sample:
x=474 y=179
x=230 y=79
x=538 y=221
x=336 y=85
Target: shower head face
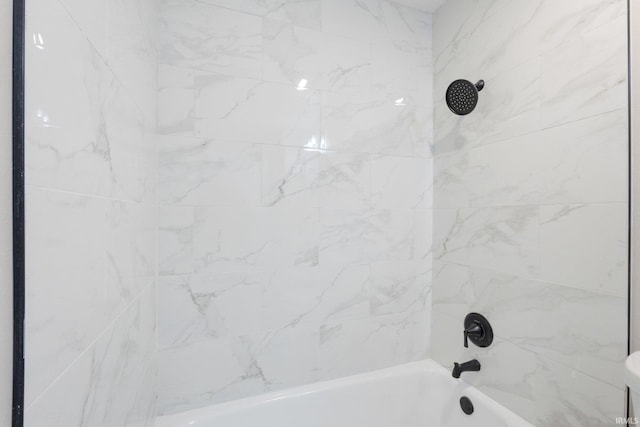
x=462 y=96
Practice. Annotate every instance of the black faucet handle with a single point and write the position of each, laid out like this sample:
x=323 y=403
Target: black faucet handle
x=475 y=330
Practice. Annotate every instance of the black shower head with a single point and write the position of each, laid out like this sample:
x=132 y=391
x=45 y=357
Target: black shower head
x=462 y=96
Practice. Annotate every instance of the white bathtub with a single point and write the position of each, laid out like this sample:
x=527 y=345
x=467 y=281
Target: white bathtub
x=421 y=394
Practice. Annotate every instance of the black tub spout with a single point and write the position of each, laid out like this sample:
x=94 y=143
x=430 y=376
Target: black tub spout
x=470 y=366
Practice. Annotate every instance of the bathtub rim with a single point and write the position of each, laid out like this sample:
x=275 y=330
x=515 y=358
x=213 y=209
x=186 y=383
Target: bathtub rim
x=425 y=366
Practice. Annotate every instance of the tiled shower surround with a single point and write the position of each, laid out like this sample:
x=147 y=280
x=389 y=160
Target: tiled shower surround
x=530 y=193
x=295 y=194
x=91 y=209
x=228 y=197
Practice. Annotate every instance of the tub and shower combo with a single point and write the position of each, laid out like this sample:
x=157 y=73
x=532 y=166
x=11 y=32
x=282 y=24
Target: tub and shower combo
x=321 y=213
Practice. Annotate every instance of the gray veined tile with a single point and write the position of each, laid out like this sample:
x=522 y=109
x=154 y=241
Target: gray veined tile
x=413 y=175
x=176 y=99
x=504 y=239
x=586 y=76
x=377 y=122
x=601 y=263
x=289 y=175
x=90 y=16
x=301 y=13
x=196 y=172
x=558 y=322
x=247 y=365
x=293 y=55
x=262 y=239
x=315 y=296
x=195 y=308
x=225 y=105
x=344 y=180
x=131 y=53
x=130 y=252
x=579 y=162
x=183 y=386
x=378 y=21
x=347 y=237
x=400 y=286
x=207 y=37
x=113 y=382
x=65 y=282
x=175 y=240
x=363 y=345
x=67 y=143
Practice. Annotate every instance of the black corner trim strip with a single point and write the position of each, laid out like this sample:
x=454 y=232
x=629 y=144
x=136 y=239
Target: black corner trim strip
x=17 y=411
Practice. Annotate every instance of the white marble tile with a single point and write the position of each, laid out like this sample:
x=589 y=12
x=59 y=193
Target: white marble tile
x=344 y=180
x=175 y=240
x=176 y=99
x=89 y=138
x=344 y=294
x=266 y=239
x=131 y=149
x=132 y=33
x=376 y=122
x=130 y=252
x=542 y=134
x=378 y=21
x=347 y=237
x=311 y=297
x=400 y=287
x=203 y=36
x=491 y=36
x=90 y=16
x=67 y=145
x=504 y=239
x=585 y=246
x=404 y=74
x=289 y=175
x=497 y=35
x=401 y=182
x=290 y=295
x=238 y=109
x=195 y=172
x=295 y=177
x=280 y=359
x=302 y=13
x=65 y=287
x=323 y=61
x=586 y=77
x=561 y=323
x=193 y=308
x=244 y=366
x=369 y=344
x=423 y=235
x=575 y=163
x=190 y=376
x=110 y=384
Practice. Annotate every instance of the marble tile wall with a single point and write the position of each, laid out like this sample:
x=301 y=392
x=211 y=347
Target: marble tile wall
x=91 y=80
x=530 y=196
x=6 y=257
x=295 y=193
